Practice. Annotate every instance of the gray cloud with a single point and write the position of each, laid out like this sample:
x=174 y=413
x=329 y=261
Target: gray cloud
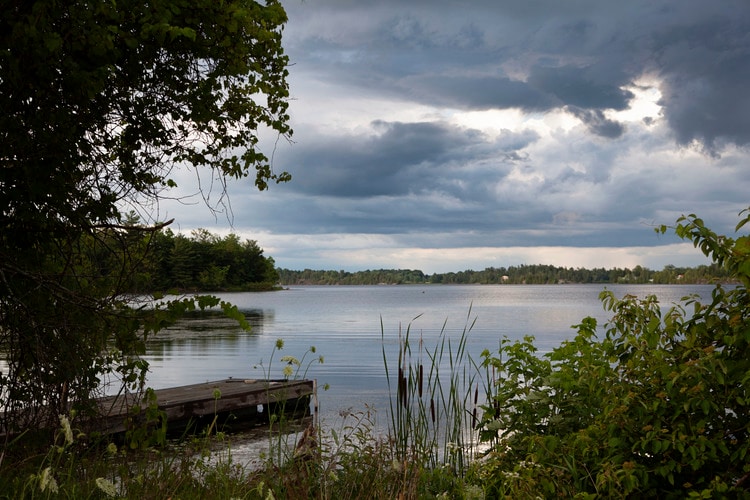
x=597 y=123
x=399 y=158
x=386 y=146
x=496 y=54
x=479 y=92
x=706 y=69
x=576 y=86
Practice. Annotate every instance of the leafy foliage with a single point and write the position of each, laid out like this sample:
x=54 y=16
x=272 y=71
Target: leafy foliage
x=655 y=405
x=101 y=102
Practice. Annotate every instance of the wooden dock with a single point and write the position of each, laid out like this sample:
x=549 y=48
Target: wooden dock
x=232 y=402
x=244 y=401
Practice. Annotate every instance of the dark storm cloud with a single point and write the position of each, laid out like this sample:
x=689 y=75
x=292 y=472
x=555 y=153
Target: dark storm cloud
x=596 y=122
x=576 y=86
x=397 y=158
x=706 y=69
x=441 y=124
x=482 y=92
x=544 y=54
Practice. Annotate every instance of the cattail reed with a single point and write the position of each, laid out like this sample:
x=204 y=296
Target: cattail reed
x=402 y=387
x=421 y=379
x=474 y=410
x=439 y=431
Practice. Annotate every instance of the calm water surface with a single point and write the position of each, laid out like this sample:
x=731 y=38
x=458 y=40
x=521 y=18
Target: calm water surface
x=344 y=325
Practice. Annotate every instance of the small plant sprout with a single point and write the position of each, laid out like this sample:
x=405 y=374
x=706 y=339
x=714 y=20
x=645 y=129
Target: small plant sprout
x=294 y=368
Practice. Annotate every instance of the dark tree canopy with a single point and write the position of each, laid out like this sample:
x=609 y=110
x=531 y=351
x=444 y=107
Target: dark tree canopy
x=101 y=102
x=203 y=262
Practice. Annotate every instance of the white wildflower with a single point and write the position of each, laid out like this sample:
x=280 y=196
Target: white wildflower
x=106 y=486
x=452 y=447
x=47 y=481
x=288 y=371
x=290 y=359
x=65 y=425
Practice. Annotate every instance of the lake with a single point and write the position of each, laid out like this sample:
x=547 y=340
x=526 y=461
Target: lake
x=343 y=323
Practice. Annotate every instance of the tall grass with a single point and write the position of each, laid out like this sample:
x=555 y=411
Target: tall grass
x=433 y=399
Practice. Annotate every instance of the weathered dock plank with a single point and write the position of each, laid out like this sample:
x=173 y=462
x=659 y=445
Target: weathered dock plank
x=248 y=401
x=243 y=398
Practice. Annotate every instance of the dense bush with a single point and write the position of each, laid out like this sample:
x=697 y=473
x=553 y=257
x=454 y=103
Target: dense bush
x=655 y=404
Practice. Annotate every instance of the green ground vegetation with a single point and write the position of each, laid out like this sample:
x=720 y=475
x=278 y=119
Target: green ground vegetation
x=653 y=405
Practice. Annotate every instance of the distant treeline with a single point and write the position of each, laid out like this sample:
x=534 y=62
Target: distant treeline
x=524 y=274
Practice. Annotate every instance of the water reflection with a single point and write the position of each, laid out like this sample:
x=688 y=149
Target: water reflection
x=205 y=328
x=204 y=346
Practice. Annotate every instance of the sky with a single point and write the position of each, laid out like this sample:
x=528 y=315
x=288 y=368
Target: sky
x=452 y=135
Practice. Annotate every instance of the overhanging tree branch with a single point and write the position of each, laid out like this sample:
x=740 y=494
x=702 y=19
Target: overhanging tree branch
x=101 y=102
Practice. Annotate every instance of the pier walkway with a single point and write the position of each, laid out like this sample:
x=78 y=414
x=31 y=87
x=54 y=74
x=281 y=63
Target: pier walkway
x=245 y=400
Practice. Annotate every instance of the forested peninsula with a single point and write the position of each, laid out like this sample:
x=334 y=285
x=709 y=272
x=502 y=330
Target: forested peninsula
x=536 y=274
x=201 y=261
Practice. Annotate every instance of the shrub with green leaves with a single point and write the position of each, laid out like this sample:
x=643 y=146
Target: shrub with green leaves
x=654 y=404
